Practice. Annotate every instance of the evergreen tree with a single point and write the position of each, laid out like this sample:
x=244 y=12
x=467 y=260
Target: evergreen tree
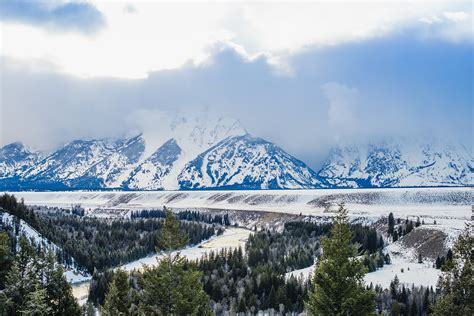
x=12 y=298
x=37 y=303
x=35 y=285
x=60 y=294
x=338 y=278
x=395 y=236
x=457 y=282
x=5 y=257
x=174 y=287
x=391 y=223
x=117 y=300
x=413 y=309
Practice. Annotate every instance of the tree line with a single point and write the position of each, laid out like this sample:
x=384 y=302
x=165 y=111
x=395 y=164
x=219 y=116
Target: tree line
x=98 y=244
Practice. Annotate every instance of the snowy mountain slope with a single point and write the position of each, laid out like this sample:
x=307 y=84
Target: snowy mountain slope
x=69 y=165
x=116 y=167
x=204 y=151
x=71 y=272
x=194 y=135
x=15 y=159
x=395 y=164
x=246 y=162
x=150 y=173
x=140 y=162
x=87 y=164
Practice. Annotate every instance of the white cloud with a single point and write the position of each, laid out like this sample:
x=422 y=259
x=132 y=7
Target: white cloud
x=453 y=26
x=168 y=35
x=342 y=110
x=456 y=16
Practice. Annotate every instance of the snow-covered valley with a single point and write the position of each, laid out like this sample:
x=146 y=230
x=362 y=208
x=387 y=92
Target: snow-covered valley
x=442 y=210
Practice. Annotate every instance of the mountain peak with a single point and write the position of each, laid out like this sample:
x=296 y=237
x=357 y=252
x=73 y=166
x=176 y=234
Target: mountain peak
x=246 y=162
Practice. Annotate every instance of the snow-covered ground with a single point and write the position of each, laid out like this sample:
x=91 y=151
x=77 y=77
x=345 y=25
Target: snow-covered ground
x=413 y=273
x=404 y=265
x=81 y=291
x=71 y=274
x=449 y=206
x=301 y=273
x=231 y=238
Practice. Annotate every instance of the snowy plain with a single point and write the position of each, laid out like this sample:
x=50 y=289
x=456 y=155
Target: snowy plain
x=447 y=205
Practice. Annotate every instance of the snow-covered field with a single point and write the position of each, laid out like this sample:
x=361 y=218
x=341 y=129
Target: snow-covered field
x=406 y=268
x=413 y=273
x=449 y=206
x=81 y=291
x=404 y=265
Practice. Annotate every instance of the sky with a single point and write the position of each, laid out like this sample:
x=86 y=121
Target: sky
x=307 y=76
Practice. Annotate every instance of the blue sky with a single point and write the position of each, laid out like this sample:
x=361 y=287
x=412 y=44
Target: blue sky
x=78 y=16
x=359 y=73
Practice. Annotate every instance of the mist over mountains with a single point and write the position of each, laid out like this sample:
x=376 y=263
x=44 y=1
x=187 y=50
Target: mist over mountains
x=218 y=153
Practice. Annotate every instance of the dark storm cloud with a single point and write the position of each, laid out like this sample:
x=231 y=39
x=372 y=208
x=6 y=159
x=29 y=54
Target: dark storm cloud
x=358 y=92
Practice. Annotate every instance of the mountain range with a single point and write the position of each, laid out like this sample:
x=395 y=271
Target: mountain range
x=218 y=153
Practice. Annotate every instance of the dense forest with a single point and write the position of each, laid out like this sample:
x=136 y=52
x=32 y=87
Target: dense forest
x=253 y=279
x=31 y=280
x=237 y=280
x=98 y=244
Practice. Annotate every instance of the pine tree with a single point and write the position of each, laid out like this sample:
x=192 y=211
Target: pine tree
x=117 y=299
x=12 y=298
x=5 y=257
x=457 y=282
x=37 y=303
x=395 y=236
x=35 y=285
x=174 y=286
x=64 y=301
x=338 y=278
x=413 y=309
x=391 y=223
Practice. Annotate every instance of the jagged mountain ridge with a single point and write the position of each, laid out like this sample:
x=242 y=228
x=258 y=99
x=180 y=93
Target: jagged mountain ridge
x=407 y=163
x=219 y=153
x=134 y=163
x=15 y=159
x=247 y=162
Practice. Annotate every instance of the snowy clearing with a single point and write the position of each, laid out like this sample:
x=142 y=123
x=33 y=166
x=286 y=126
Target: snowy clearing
x=231 y=238
x=81 y=292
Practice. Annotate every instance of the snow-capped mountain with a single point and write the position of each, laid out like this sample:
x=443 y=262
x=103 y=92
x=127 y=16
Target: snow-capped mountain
x=85 y=164
x=150 y=173
x=247 y=162
x=404 y=163
x=143 y=163
x=209 y=152
x=15 y=159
